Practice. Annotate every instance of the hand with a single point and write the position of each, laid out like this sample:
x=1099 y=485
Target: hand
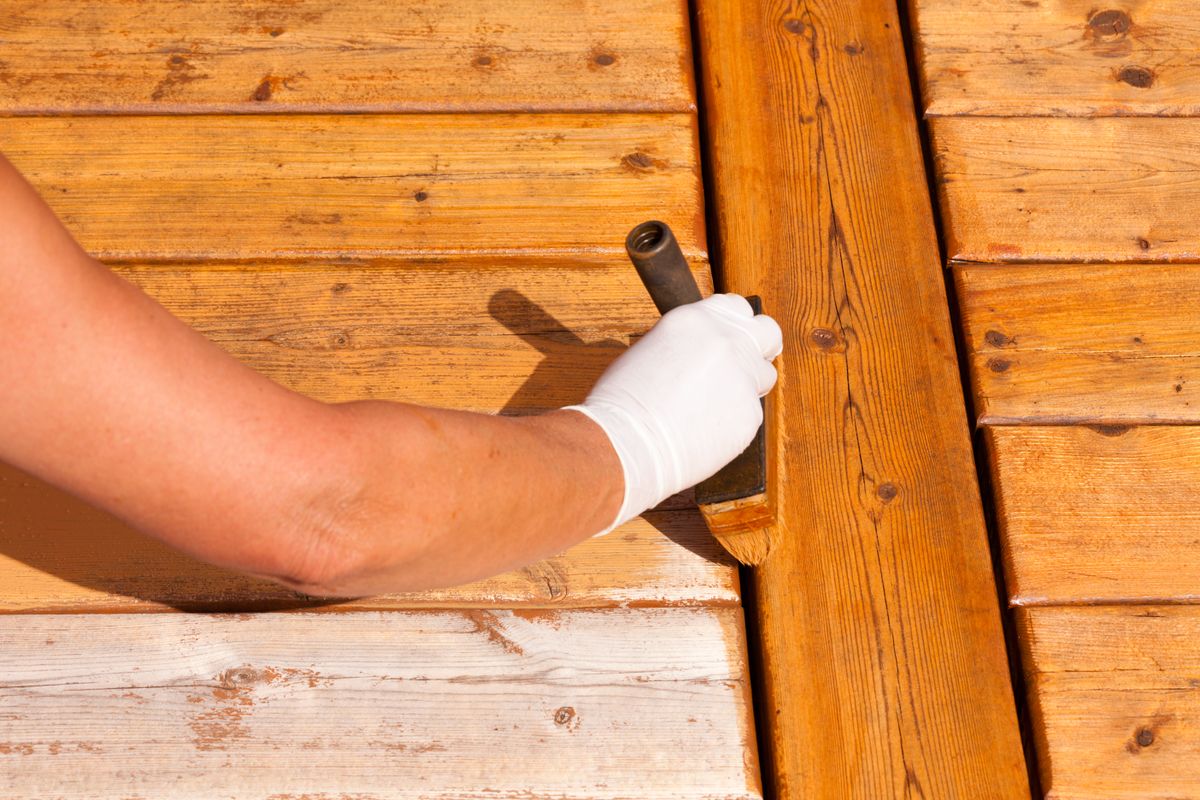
x=684 y=401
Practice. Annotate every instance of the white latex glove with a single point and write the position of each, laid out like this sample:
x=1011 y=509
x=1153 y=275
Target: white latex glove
x=684 y=401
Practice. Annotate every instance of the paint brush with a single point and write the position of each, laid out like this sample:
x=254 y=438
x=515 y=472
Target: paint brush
x=737 y=503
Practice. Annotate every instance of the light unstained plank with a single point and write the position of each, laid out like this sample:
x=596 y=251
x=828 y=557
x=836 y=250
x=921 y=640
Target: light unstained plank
x=314 y=55
x=480 y=334
x=1082 y=343
x=1060 y=58
x=252 y=187
x=884 y=671
x=1068 y=189
x=1115 y=696
x=647 y=703
x=1098 y=514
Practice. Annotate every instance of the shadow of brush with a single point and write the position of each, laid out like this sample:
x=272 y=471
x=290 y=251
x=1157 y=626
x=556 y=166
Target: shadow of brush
x=569 y=365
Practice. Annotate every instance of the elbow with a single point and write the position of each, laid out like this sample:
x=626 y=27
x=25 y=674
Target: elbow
x=350 y=553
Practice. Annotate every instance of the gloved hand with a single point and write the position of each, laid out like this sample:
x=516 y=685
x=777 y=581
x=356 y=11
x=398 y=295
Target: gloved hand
x=684 y=401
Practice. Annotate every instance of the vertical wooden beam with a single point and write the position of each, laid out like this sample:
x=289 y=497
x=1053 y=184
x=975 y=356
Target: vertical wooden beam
x=883 y=671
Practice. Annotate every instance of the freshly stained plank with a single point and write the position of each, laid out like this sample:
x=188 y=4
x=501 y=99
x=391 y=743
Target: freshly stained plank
x=1116 y=700
x=1090 y=343
x=647 y=703
x=314 y=55
x=362 y=186
x=1069 y=189
x=481 y=334
x=1061 y=58
x=1098 y=514
x=58 y=554
x=883 y=665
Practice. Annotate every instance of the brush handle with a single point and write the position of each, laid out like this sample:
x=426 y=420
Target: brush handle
x=660 y=263
x=738 y=490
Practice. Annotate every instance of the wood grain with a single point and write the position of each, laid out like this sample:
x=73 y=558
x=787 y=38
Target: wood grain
x=1098 y=514
x=113 y=57
x=883 y=664
x=1082 y=343
x=1068 y=189
x=483 y=334
x=1058 y=59
x=648 y=703
x=1116 y=700
x=238 y=187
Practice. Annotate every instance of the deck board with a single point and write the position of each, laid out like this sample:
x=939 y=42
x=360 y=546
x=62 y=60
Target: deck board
x=1030 y=190
x=59 y=555
x=1066 y=58
x=1098 y=514
x=263 y=187
x=509 y=335
x=883 y=663
x=1116 y=700
x=488 y=334
x=113 y=57
x=1082 y=342
x=647 y=703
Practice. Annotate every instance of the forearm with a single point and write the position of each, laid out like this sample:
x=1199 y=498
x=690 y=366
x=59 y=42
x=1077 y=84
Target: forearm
x=109 y=396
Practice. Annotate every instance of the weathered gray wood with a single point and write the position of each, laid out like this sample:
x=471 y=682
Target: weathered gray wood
x=647 y=703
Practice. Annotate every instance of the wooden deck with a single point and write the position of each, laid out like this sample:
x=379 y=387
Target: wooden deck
x=410 y=200
x=427 y=201
x=1064 y=141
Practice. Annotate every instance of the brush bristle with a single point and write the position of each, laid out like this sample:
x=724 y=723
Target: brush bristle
x=750 y=547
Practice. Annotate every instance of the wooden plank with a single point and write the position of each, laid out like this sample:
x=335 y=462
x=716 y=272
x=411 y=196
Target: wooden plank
x=1068 y=189
x=648 y=703
x=1116 y=700
x=883 y=664
x=1064 y=58
x=487 y=335
x=59 y=555
x=312 y=55
x=1098 y=514
x=482 y=334
x=1082 y=343
x=362 y=186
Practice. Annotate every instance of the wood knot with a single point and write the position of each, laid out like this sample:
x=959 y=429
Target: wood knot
x=793 y=25
x=241 y=677
x=1143 y=243
x=639 y=162
x=824 y=338
x=482 y=61
x=604 y=59
x=999 y=364
x=1112 y=22
x=263 y=92
x=854 y=48
x=997 y=339
x=566 y=717
x=887 y=492
x=1144 y=737
x=421 y=196
x=1139 y=77
x=1110 y=430
x=341 y=288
